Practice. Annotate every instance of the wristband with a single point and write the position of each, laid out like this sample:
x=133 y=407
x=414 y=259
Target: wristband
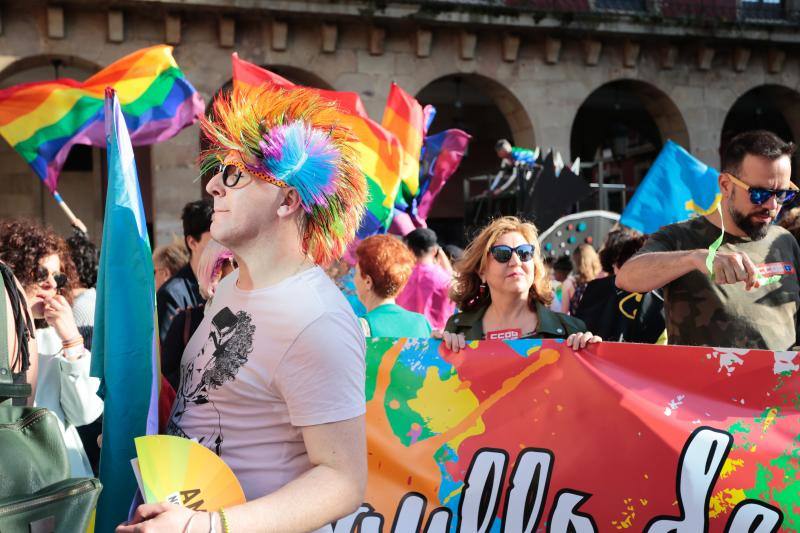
x=212 y=527
x=77 y=341
x=226 y=528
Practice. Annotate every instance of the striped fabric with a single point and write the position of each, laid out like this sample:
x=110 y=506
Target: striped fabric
x=42 y=120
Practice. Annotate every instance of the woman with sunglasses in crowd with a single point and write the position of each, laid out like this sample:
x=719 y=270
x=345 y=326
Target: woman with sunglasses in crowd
x=503 y=291
x=40 y=260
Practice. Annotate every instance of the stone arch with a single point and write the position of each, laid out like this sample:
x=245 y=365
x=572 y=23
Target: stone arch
x=59 y=63
x=769 y=106
x=300 y=76
x=624 y=123
x=488 y=111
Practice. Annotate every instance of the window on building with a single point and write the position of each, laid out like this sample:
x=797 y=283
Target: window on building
x=763 y=9
x=621 y=5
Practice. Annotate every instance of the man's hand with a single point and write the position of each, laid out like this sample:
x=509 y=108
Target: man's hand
x=165 y=517
x=730 y=268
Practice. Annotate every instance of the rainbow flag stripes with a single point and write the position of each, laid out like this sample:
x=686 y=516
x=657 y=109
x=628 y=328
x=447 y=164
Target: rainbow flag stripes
x=43 y=120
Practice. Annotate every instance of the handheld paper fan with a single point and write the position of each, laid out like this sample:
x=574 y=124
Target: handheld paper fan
x=181 y=471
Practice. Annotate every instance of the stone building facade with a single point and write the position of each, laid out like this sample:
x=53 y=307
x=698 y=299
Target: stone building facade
x=541 y=72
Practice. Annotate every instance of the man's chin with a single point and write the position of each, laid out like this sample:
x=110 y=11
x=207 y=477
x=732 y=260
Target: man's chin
x=758 y=228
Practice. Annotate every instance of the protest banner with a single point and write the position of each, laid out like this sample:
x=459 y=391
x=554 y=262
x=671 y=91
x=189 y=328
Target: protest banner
x=528 y=435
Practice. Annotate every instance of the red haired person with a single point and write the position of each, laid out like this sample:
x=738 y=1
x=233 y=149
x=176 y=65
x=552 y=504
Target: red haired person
x=383 y=268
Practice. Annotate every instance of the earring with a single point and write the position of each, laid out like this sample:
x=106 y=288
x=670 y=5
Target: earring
x=482 y=289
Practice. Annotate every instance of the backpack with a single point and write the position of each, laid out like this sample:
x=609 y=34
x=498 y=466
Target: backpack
x=36 y=493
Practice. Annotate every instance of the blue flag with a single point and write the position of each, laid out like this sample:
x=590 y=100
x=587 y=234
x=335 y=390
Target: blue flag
x=676 y=188
x=125 y=349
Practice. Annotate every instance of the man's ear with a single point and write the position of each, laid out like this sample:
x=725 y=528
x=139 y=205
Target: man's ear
x=725 y=185
x=191 y=243
x=291 y=203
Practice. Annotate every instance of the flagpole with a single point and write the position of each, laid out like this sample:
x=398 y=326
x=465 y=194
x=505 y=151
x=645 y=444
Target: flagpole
x=75 y=221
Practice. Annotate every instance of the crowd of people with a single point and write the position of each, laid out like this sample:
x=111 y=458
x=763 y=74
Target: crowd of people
x=263 y=356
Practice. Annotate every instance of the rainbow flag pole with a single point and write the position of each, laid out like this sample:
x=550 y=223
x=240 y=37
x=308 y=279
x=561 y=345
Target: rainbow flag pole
x=75 y=221
x=43 y=120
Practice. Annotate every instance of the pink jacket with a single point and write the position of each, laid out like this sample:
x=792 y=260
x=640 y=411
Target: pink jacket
x=427 y=293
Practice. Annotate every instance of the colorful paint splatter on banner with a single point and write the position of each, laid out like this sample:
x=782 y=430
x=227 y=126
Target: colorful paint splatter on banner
x=614 y=437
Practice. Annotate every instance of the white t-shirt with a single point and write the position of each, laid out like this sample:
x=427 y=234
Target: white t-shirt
x=264 y=363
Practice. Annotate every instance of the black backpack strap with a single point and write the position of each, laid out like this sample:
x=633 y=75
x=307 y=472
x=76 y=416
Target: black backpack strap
x=8 y=389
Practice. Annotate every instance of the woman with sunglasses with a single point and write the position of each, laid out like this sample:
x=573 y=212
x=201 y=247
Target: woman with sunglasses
x=41 y=261
x=503 y=291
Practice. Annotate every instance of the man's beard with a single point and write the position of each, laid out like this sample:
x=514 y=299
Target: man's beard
x=755 y=230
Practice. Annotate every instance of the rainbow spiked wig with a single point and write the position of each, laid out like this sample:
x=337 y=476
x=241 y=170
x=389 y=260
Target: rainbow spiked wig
x=294 y=139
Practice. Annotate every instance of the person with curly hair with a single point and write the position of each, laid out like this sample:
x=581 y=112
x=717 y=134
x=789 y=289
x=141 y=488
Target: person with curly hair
x=86 y=258
x=383 y=268
x=273 y=379
x=503 y=290
x=42 y=262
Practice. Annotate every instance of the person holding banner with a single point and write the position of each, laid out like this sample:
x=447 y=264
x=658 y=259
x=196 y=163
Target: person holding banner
x=503 y=289
x=273 y=379
x=730 y=277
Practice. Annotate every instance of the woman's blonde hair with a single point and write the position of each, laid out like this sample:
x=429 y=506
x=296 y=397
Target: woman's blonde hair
x=466 y=291
x=173 y=256
x=585 y=263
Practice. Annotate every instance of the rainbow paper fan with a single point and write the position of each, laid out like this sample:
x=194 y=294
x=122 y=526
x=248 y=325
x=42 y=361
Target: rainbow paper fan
x=181 y=471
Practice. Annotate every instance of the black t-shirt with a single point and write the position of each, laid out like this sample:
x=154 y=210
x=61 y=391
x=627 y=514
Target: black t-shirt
x=618 y=315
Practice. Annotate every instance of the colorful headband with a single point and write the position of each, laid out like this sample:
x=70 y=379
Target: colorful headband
x=294 y=138
x=258 y=173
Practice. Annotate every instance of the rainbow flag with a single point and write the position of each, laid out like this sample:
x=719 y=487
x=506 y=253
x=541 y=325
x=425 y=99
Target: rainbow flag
x=405 y=118
x=42 y=120
x=380 y=152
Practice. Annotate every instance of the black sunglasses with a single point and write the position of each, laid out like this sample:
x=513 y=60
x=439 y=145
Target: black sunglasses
x=759 y=195
x=502 y=253
x=41 y=274
x=230 y=175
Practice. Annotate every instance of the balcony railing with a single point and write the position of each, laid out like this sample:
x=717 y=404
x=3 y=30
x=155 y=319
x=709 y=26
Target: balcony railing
x=694 y=10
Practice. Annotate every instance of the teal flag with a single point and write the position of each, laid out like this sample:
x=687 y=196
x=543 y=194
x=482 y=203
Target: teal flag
x=676 y=188
x=124 y=349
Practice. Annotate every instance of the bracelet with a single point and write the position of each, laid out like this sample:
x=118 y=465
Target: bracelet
x=226 y=528
x=72 y=342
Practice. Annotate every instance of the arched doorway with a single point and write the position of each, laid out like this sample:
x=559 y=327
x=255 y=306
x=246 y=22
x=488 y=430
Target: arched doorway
x=488 y=111
x=767 y=107
x=83 y=178
x=618 y=131
x=293 y=74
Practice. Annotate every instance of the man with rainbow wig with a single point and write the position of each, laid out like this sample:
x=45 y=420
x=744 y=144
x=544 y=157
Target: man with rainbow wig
x=273 y=379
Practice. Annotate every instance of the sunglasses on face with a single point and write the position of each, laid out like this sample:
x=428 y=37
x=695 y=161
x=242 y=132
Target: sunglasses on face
x=502 y=253
x=42 y=275
x=230 y=175
x=759 y=195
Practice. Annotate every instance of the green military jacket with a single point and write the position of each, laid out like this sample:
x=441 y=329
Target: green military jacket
x=552 y=325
